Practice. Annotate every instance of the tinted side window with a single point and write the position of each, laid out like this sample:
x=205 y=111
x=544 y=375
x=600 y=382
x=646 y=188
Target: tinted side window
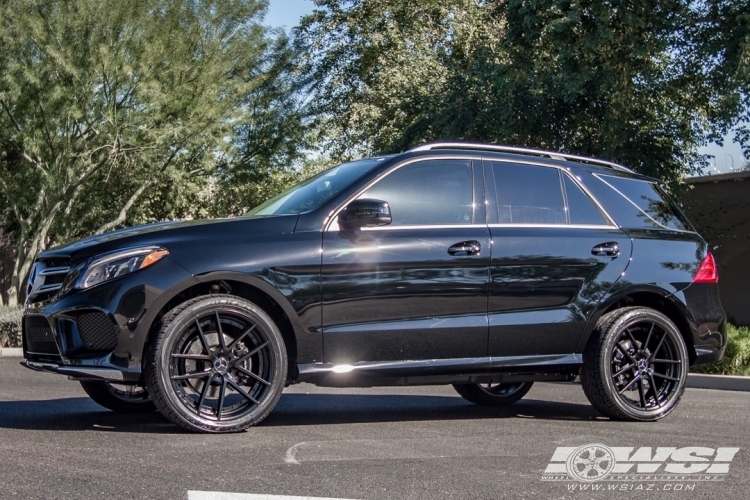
x=581 y=209
x=656 y=208
x=428 y=193
x=528 y=194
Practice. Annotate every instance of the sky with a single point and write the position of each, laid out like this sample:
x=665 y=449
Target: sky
x=287 y=13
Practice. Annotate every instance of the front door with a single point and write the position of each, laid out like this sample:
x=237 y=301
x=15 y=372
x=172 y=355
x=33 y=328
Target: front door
x=417 y=288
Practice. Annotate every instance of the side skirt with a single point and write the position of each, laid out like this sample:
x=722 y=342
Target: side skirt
x=557 y=367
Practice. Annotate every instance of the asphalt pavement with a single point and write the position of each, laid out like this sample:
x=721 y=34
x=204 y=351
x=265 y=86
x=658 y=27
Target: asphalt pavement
x=401 y=443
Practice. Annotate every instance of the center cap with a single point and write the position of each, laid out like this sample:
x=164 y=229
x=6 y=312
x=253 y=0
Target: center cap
x=642 y=365
x=221 y=365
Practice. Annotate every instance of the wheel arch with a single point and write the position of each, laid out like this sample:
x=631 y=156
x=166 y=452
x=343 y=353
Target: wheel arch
x=248 y=287
x=653 y=297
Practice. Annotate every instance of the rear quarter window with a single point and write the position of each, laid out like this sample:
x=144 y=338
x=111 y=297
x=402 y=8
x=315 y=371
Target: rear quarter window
x=655 y=208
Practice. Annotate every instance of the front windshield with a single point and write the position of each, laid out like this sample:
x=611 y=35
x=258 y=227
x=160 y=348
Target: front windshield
x=311 y=193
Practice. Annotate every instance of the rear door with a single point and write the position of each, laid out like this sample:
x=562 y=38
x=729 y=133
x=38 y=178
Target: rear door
x=410 y=290
x=555 y=254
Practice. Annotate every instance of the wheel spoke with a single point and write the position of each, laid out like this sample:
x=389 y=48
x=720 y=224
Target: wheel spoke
x=202 y=337
x=641 y=394
x=632 y=339
x=192 y=375
x=658 y=346
x=242 y=391
x=204 y=392
x=623 y=370
x=635 y=379
x=251 y=374
x=653 y=388
x=244 y=357
x=655 y=374
x=668 y=361
x=197 y=357
x=625 y=352
x=222 y=392
x=220 y=332
x=244 y=334
x=648 y=337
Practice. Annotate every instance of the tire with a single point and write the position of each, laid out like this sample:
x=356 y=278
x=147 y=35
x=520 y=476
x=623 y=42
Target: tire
x=635 y=366
x=493 y=394
x=120 y=398
x=217 y=364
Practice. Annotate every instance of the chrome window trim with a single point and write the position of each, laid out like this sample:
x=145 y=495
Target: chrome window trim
x=565 y=171
x=558 y=226
x=331 y=224
x=425 y=226
x=599 y=176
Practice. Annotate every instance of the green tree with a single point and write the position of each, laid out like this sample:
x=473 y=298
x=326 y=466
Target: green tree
x=602 y=78
x=716 y=51
x=109 y=107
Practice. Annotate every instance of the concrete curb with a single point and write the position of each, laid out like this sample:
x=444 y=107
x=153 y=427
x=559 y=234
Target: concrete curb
x=11 y=352
x=719 y=382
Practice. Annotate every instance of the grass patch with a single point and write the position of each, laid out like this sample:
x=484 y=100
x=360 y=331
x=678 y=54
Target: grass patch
x=10 y=326
x=736 y=360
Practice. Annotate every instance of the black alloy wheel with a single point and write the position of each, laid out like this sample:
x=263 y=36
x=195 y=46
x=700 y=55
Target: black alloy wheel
x=636 y=365
x=218 y=364
x=502 y=394
x=121 y=398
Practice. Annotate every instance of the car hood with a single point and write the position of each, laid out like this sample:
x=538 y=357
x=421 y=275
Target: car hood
x=172 y=233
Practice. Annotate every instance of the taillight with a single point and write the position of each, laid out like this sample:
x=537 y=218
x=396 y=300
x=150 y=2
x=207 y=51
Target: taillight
x=707 y=272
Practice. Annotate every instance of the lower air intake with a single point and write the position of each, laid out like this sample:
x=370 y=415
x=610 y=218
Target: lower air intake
x=38 y=335
x=97 y=331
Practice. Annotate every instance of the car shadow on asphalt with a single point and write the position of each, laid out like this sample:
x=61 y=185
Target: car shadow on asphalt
x=322 y=409
x=79 y=414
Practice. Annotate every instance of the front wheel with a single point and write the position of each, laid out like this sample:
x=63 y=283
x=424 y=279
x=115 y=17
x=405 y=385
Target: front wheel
x=121 y=398
x=635 y=366
x=218 y=364
x=493 y=394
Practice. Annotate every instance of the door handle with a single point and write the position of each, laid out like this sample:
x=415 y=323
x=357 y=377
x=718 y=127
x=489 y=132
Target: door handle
x=611 y=249
x=465 y=248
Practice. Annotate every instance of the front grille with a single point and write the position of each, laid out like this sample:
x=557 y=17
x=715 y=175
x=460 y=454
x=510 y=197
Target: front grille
x=38 y=335
x=57 y=262
x=47 y=278
x=97 y=331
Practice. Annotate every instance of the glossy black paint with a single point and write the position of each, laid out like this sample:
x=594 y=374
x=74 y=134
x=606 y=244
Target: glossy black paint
x=399 y=298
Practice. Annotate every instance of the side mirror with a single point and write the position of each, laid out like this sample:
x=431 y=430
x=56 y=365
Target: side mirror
x=364 y=213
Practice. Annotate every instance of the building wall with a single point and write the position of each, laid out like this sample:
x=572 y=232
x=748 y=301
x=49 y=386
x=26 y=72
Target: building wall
x=719 y=207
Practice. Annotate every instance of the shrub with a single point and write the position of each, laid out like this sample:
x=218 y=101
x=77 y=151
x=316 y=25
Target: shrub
x=10 y=326
x=736 y=359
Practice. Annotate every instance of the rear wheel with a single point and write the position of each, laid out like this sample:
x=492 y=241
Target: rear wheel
x=218 y=364
x=493 y=394
x=635 y=366
x=122 y=398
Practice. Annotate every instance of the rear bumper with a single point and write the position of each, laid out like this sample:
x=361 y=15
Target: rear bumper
x=708 y=322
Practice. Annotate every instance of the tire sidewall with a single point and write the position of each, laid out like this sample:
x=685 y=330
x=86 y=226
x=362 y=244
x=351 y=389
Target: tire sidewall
x=172 y=335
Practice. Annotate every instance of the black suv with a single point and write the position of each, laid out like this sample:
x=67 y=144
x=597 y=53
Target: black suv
x=486 y=267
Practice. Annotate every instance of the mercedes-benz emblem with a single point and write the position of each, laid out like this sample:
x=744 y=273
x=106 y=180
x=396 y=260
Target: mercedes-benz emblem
x=592 y=462
x=221 y=365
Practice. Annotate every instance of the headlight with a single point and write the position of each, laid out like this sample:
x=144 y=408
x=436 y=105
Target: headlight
x=111 y=265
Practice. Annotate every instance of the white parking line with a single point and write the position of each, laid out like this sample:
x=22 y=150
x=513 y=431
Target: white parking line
x=218 y=495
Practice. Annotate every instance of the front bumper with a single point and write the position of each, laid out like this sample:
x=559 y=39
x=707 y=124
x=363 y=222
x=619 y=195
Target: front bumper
x=82 y=372
x=100 y=333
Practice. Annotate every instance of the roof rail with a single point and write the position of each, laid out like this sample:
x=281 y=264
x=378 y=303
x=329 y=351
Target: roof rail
x=526 y=151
